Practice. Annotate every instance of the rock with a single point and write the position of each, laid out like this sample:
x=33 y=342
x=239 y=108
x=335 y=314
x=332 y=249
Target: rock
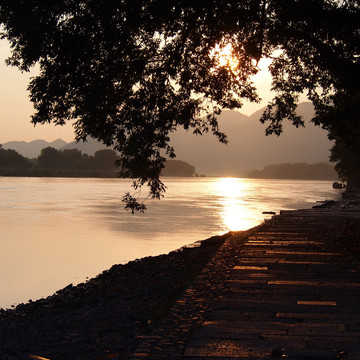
x=337 y=185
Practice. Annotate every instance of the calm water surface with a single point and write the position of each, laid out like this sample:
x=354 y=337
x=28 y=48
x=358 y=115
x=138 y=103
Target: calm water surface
x=56 y=231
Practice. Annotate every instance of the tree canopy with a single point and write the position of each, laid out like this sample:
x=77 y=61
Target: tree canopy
x=130 y=72
x=10 y=161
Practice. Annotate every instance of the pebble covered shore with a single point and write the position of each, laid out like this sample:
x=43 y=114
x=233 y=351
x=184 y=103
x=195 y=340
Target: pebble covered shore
x=107 y=315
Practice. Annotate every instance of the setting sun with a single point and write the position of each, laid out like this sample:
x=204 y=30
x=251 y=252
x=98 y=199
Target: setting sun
x=224 y=56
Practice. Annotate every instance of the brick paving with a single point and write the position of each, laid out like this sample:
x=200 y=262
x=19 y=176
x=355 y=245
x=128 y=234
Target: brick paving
x=282 y=290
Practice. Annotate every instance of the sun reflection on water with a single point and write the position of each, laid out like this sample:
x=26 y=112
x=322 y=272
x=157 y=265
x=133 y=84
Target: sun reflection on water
x=236 y=214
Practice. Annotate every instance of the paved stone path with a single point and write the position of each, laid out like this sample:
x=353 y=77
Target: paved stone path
x=288 y=296
x=282 y=290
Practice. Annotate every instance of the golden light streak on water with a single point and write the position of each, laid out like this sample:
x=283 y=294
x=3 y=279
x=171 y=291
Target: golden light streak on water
x=236 y=214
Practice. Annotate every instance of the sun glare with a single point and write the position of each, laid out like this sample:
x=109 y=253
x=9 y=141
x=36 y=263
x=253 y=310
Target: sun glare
x=236 y=214
x=224 y=57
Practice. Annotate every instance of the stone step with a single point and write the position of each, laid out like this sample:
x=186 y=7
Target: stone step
x=276 y=306
x=257 y=348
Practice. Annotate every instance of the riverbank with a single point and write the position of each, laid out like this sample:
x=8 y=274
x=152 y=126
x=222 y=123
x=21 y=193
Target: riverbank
x=118 y=313
x=57 y=231
x=287 y=288
x=106 y=314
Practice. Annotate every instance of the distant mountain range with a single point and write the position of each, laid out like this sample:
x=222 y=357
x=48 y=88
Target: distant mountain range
x=33 y=148
x=248 y=146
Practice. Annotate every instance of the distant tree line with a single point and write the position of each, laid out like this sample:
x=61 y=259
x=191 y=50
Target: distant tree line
x=178 y=168
x=301 y=171
x=73 y=163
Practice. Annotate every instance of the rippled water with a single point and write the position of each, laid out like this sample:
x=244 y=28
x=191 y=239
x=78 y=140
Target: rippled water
x=56 y=231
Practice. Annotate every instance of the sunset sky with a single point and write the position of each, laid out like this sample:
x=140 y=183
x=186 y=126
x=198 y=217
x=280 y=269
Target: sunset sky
x=16 y=108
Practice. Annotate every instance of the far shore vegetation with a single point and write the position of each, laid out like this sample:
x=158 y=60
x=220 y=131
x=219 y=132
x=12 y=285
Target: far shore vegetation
x=301 y=171
x=73 y=163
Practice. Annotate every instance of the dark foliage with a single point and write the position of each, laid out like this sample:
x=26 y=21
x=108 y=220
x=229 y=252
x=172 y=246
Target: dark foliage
x=11 y=162
x=347 y=165
x=52 y=162
x=178 y=168
x=342 y=120
x=73 y=163
x=130 y=72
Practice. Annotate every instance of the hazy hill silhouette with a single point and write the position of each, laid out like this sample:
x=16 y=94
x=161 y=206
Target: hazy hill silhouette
x=248 y=146
x=90 y=147
x=33 y=148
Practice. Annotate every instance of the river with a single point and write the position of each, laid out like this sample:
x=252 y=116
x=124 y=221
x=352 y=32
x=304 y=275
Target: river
x=57 y=231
